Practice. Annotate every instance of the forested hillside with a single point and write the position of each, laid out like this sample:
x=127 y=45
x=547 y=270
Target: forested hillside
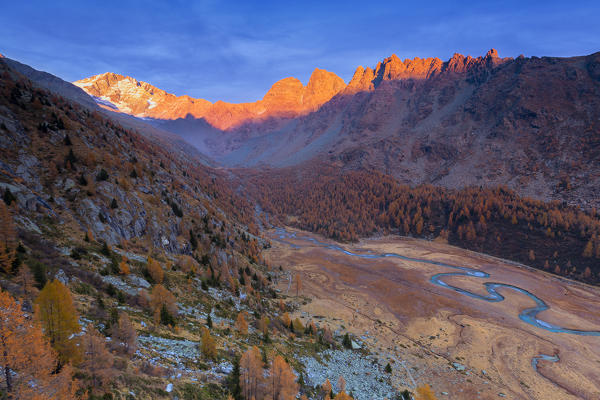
x=348 y=205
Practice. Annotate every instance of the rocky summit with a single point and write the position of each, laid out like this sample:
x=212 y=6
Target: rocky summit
x=286 y=98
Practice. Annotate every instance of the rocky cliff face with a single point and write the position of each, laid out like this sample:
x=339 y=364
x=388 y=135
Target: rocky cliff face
x=287 y=98
x=392 y=68
x=529 y=123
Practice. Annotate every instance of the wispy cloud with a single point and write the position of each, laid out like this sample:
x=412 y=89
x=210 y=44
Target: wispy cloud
x=235 y=51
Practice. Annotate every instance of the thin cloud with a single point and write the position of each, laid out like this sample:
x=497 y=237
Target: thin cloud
x=235 y=51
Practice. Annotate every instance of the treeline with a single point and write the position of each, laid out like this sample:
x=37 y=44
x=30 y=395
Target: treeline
x=345 y=206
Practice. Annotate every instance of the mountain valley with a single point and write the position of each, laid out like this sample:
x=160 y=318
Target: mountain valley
x=428 y=230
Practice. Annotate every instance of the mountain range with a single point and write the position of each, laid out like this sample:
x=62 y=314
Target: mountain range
x=532 y=124
x=165 y=255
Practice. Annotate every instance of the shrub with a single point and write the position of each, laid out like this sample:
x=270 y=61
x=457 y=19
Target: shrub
x=102 y=175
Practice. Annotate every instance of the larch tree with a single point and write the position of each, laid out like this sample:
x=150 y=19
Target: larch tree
x=251 y=373
x=97 y=360
x=58 y=316
x=286 y=319
x=8 y=239
x=588 y=250
x=282 y=380
x=298 y=327
x=341 y=384
x=343 y=396
x=28 y=361
x=124 y=335
x=326 y=389
x=124 y=267
x=327 y=335
x=155 y=270
x=89 y=235
x=425 y=393
x=263 y=325
x=240 y=324
x=26 y=282
x=162 y=297
x=297 y=284
x=208 y=345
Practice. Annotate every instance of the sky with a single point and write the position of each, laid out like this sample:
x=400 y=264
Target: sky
x=235 y=50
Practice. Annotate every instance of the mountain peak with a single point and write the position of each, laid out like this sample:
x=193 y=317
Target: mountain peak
x=321 y=87
x=492 y=53
x=139 y=98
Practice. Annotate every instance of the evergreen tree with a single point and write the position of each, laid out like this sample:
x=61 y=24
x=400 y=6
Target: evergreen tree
x=347 y=342
x=233 y=380
x=8 y=197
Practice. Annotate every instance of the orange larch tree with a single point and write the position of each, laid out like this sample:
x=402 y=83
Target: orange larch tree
x=155 y=270
x=97 y=360
x=281 y=380
x=297 y=283
x=425 y=393
x=240 y=323
x=58 y=316
x=251 y=373
x=124 y=267
x=26 y=283
x=124 y=335
x=28 y=362
x=161 y=296
x=208 y=345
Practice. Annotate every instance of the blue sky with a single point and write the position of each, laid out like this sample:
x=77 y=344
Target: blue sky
x=234 y=51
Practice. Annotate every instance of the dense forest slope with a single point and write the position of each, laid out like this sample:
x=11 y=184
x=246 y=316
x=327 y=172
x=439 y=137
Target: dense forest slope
x=345 y=206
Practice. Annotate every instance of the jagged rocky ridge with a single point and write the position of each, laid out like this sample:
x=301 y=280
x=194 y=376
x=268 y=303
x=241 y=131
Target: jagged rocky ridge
x=529 y=123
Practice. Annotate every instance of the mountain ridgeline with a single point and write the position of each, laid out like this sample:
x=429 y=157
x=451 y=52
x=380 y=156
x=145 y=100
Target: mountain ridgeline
x=531 y=124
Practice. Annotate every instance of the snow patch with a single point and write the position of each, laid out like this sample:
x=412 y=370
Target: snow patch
x=151 y=104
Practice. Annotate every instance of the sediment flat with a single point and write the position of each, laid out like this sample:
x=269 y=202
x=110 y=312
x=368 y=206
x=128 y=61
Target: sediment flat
x=402 y=316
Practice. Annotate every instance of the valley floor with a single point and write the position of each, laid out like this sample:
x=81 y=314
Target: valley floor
x=464 y=347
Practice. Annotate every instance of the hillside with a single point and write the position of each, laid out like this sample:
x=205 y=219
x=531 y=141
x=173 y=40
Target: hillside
x=138 y=272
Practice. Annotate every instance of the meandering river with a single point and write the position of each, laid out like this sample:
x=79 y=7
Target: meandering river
x=529 y=315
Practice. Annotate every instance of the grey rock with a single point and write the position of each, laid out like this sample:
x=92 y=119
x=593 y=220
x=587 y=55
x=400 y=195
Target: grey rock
x=62 y=277
x=138 y=281
x=458 y=366
x=119 y=284
x=69 y=184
